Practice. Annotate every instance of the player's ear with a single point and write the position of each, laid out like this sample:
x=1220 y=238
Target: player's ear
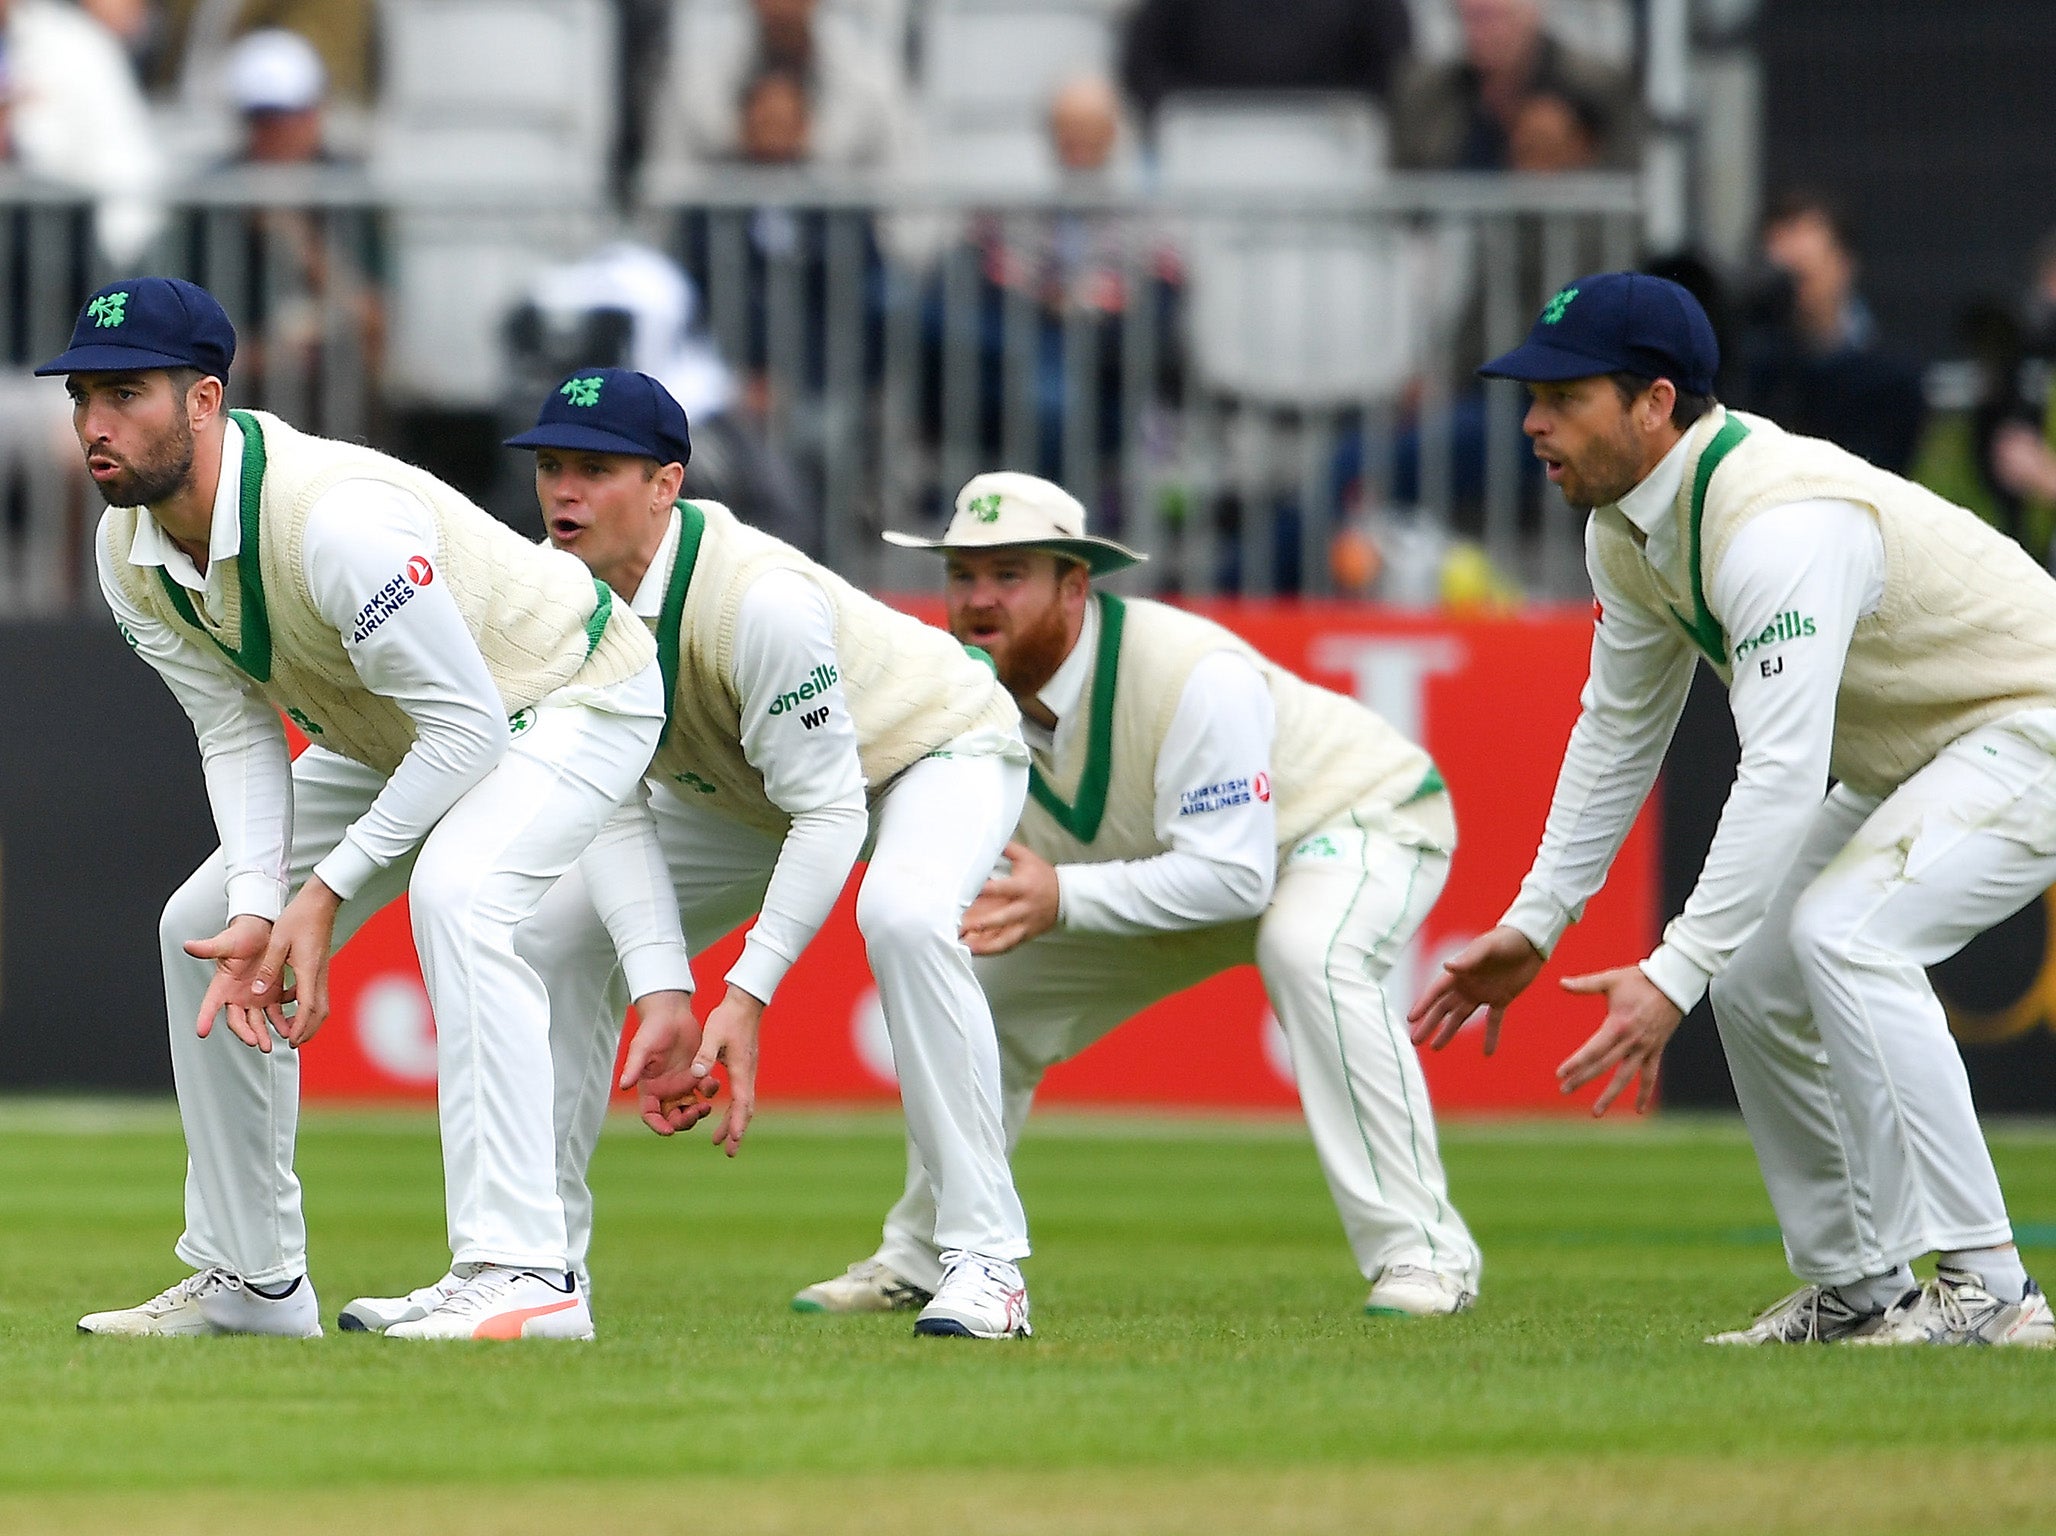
x=203 y=400
x=669 y=484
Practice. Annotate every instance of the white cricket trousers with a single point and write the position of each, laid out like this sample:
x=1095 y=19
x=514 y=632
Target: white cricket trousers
x=1347 y=902
x=472 y=881
x=937 y=832
x=1854 y=1093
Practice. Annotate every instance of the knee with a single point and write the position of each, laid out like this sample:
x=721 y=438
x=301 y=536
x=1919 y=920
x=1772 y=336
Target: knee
x=897 y=909
x=1287 y=949
x=197 y=910
x=442 y=890
x=1822 y=933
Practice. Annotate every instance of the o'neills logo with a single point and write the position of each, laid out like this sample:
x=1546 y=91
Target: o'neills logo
x=1786 y=626
x=818 y=682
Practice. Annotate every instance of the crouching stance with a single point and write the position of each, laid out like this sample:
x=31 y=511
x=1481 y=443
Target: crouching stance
x=1194 y=808
x=1868 y=630
x=805 y=718
x=477 y=710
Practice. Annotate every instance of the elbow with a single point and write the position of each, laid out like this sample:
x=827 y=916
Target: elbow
x=1248 y=889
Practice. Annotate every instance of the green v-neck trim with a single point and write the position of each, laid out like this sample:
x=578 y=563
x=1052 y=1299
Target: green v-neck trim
x=1703 y=628
x=692 y=527
x=252 y=654
x=1082 y=818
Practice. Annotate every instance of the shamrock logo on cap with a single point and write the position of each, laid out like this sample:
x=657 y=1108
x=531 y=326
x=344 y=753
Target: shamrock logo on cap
x=985 y=508
x=1553 y=310
x=109 y=310
x=585 y=391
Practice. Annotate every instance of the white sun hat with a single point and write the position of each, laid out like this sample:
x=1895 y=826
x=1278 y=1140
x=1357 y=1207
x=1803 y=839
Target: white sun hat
x=1006 y=510
x=274 y=70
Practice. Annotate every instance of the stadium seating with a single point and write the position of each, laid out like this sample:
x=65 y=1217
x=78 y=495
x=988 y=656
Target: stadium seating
x=989 y=68
x=1299 y=309
x=502 y=103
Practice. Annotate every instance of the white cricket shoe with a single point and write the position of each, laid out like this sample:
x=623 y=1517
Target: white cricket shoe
x=375 y=1314
x=498 y=1302
x=866 y=1286
x=1955 y=1308
x=1813 y=1314
x=1414 y=1290
x=979 y=1298
x=216 y=1301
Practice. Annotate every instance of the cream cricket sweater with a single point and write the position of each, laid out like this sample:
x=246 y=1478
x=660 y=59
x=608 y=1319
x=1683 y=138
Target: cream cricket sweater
x=911 y=689
x=1332 y=759
x=1964 y=634
x=540 y=620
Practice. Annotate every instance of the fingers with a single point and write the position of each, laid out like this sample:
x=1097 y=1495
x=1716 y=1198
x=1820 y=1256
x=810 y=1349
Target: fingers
x=996 y=939
x=1597 y=982
x=1622 y=1076
x=1494 y=1017
x=1645 y=1096
x=637 y=1064
x=265 y=974
x=1608 y=1044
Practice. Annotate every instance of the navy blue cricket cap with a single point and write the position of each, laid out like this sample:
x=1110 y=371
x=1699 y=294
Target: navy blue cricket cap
x=1617 y=322
x=149 y=322
x=611 y=410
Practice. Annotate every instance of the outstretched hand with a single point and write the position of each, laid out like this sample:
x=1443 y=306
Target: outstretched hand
x=1490 y=972
x=1639 y=1022
x=237 y=951
x=672 y=1062
x=660 y=1058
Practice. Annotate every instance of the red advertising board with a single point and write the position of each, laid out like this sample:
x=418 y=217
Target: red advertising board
x=1493 y=700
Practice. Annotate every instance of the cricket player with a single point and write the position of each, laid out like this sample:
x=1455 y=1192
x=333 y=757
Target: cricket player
x=1868 y=630
x=806 y=720
x=1194 y=808
x=478 y=708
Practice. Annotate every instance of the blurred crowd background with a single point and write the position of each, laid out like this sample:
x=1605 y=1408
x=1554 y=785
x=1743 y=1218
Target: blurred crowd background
x=1224 y=267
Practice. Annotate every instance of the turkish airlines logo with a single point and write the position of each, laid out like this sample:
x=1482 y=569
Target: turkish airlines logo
x=1262 y=787
x=419 y=571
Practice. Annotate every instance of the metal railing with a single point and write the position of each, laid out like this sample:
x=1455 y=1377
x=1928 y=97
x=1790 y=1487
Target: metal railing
x=1228 y=382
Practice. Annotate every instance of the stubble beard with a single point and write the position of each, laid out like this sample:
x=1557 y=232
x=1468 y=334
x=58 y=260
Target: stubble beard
x=1611 y=469
x=148 y=482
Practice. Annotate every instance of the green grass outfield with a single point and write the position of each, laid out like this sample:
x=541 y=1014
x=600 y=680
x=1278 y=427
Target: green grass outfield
x=1201 y=1362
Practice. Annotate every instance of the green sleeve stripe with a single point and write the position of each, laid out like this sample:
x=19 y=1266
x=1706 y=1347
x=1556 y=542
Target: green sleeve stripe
x=1082 y=819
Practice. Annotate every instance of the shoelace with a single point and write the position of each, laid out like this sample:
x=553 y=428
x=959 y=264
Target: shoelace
x=486 y=1287
x=201 y=1283
x=1806 y=1302
x=1943 y=1300
x=988 y=1280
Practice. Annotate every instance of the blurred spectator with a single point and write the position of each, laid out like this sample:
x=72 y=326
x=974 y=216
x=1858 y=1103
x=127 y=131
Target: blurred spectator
x=2039 y=311
x=794 y=80
x=1462 y=115
x=1553 y=131
x=1263 y=45
x=198 y=33
x=71 y=111
x=278 y=85
x=311 y=272
x=1081 y=272
x=136 y=23
x=776 y=120
x=1812 y=360
x=628 y=306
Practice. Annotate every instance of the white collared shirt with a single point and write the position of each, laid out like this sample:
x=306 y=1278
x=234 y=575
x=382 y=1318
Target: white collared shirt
x=1218 y=868
x=360 y=534
x=1821 y=559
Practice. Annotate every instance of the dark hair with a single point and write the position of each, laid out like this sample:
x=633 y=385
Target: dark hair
x=1685 y=410
x=1803 y=202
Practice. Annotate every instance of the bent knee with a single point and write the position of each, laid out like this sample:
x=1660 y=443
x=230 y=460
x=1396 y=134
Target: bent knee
x=900 y=908
x=1286 y=949
x=196 y=910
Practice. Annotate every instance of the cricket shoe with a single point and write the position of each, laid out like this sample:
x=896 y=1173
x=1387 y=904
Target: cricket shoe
x=1813 y=1314
x=375 y=1314
x=1414 y=1290
x=216 y=1301
x=1955 y=1308
x=979 y=1298
x=866 y=1286
x=499 y=1302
